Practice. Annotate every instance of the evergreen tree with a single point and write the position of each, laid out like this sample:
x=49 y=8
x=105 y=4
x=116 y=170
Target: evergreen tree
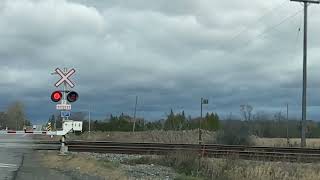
x=175 y=121
x=211 y=122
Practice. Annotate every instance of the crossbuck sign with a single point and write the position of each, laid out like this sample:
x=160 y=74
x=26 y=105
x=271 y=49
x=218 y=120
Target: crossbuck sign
x=65 y=77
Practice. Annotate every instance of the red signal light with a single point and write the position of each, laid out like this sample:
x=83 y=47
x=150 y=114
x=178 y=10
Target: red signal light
x=72 y=96
x=56 y=96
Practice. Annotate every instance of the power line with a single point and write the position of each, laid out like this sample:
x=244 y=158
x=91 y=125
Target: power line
x=272 y=27
x=258 y=20
x=296 y=41
x=298 y=35
x=268 y=29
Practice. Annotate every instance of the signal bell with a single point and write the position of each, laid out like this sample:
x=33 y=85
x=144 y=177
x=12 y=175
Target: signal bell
x=56 y=96
x=72 y=96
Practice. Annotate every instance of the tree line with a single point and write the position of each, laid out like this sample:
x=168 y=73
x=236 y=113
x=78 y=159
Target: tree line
x=258 y=123
x=123 y=122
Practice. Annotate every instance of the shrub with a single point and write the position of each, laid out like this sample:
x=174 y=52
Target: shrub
x=230 y=137
x=184 y=162
x=141 y=160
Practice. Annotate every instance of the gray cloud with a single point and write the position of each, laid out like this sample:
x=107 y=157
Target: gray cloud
x=168 y=53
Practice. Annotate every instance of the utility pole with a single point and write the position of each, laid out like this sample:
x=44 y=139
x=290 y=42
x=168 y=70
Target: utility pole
x=89 y=117
x=203 y=101
x=200 y=138
x=134 y=115
x=288 y=142
x=304 y=84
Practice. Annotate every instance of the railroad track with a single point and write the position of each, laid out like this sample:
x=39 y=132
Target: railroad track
x=205 y=150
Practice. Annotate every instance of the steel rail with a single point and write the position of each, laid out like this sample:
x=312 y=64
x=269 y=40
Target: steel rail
x=208 y=150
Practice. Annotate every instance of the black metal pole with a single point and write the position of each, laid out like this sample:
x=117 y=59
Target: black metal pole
x=200 y=138
x=288 y=142
x=134 y=115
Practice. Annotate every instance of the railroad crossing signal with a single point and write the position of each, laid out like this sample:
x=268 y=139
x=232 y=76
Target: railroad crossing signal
x=65 y=96
x=56 y=96
x=72 y=96
x=65 y=77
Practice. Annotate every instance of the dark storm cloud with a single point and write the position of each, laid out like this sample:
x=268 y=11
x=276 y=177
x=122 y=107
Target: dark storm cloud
x=169 y=53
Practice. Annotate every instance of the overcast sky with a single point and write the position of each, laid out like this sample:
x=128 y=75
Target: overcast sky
x=169 y=53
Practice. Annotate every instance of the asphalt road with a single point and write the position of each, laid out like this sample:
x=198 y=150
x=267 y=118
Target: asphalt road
x=11 y=157
x=19 y=162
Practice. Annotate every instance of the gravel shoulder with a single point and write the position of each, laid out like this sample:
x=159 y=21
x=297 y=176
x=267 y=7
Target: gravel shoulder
x=83 y=165
x=32 y=169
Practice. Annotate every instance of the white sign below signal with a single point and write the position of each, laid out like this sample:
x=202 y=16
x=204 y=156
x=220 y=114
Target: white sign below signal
x=63 y=106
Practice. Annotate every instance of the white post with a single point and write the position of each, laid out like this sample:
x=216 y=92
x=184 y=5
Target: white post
x=64 y=148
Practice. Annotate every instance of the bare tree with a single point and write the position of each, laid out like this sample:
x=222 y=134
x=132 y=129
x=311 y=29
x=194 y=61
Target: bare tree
x=78 y=116
x=246 y=111
x=261 y=116
x=229 y=116
x=278 y=116
x=3 y=120
x=16 y=116
x=258 y=125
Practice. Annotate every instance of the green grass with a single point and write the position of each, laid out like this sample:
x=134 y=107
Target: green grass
x=141 y=160
x=185 y=177
x=107 y=164
x=183 y=162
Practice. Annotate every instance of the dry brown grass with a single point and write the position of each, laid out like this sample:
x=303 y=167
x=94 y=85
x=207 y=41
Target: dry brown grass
x=256 y=170
x=234 y=169
x=82 y=164
x=189 y=136
x=282 y=142
x=145 y=136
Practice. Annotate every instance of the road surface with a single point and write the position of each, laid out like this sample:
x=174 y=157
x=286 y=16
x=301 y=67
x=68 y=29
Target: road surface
x=11 y=155
x=19 y=162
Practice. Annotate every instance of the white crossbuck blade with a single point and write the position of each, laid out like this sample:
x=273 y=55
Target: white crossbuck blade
x=64 y=77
